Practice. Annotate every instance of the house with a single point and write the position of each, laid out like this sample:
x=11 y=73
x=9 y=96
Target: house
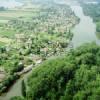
x=37 y=59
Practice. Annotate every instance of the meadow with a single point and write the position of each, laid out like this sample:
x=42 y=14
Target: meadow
x=7 y=15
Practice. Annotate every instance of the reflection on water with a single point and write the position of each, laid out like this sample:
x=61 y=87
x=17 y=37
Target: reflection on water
x=10 y=3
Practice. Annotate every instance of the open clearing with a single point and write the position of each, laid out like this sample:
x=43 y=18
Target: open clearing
x=5 y=16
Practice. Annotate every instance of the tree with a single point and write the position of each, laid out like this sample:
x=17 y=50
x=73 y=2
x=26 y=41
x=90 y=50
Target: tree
x=23 y=89
x=17 y=98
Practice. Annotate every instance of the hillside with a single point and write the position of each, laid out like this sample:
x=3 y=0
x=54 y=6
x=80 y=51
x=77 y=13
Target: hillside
x=75 y=76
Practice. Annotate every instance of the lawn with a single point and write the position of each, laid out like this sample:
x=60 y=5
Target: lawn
x=7 y=32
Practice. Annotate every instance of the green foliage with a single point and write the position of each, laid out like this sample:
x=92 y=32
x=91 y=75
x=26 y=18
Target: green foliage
x=98 y=27
x=2 y=44
x=18 y=68
x=17 y=98
x=23 y=89
x=4 y=86
x=75 y=76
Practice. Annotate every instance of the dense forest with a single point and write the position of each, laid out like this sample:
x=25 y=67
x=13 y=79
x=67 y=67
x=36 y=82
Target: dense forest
x=75 y=76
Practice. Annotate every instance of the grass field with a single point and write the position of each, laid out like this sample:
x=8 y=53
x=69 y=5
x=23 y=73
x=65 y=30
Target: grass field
x=14 y=13
x=6 y=33
x=5 y=16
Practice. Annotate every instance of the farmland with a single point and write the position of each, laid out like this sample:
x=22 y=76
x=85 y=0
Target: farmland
x=12 y=14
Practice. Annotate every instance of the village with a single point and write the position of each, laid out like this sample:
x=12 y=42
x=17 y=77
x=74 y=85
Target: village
x=46 y=34
x=49 y=19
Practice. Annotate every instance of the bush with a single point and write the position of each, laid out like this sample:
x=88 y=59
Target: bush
x=23 y=89
x=17 y=98
x=18 y=68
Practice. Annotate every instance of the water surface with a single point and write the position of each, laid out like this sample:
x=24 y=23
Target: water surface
x=85 y=31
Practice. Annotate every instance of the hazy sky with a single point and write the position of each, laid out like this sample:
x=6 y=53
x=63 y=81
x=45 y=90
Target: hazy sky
x=9 y=3
x=13 y=3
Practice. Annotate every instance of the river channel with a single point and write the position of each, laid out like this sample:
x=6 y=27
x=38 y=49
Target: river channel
x=84 y=32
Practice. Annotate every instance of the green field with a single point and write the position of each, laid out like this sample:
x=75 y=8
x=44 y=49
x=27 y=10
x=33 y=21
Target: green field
x=7 y=32
x=2 y=44
x=13 y=14
x=7 y=15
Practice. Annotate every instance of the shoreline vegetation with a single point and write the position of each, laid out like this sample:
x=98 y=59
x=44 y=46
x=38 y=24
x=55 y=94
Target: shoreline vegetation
x=33 y=38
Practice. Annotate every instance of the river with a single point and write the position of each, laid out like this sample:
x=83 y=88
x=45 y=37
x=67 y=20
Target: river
x=84 y=32
x=15 y=90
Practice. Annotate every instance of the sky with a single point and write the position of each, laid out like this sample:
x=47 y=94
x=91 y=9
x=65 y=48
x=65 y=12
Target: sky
x=13 y=3
x=9 y=3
